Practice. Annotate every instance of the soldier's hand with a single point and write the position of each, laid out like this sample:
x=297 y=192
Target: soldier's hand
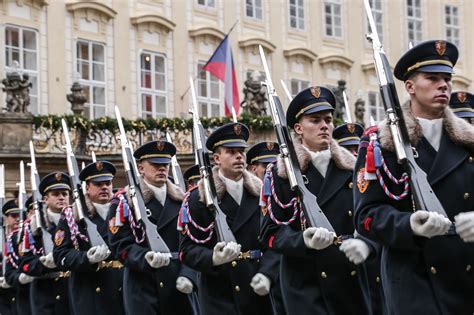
x=3 y=283
x=465 y=226
x=98 y=253
x=184 y=285
x=260 y=284
x=24 y=278
x=429 y=224
x=48 y=261
x=157 y=260
x=318 y=238
x=224 y=253
x=356 y=250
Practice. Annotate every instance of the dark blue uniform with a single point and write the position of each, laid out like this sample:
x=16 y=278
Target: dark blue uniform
x=94 y=288
x=148 y=290
x=317 y=281
x=420 y=275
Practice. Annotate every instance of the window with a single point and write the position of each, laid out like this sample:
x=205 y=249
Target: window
x=377 y=12
x=21 y=54
x=452 y=24
x=332 y=18
x=376 y=109
x=298 y=86
x=91 y=67
x=296 y=8
x=207 y=3
x=208 y=93
x=153 y=89
x=415 y=30
x=253 y=9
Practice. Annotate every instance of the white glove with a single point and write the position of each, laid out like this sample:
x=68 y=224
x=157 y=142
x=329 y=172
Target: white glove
x=3 y=283
x=48 y=261
x=260 y=284
x=465 y=226
x=318 y=238
x=356 y=250
x=429 y=224
x=224 y=253
x=24 y=278
x=98 y=253
x=157 y=260
x=184 y=285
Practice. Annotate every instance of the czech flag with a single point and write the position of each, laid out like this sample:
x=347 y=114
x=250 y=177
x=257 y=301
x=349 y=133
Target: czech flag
x=221 y=65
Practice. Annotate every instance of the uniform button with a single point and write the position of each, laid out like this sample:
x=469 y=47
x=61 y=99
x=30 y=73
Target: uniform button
x=324 y=275
x=120 y=289
x=237 y=288
x=351 y=185
x=468 y=268
x=13 y=299
x=466 y=196
x=56 y=279
x=433 y=270
x=162 y=284
x=58 y=297
x=349 y=213
x=353 y=273
x=97 y=289
x=470 y=159
x=234 y=263
x=377 y=279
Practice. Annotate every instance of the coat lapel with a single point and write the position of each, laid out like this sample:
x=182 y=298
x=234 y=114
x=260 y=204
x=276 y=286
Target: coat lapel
x=167 y=213
x=247 y=209
x=335 y=179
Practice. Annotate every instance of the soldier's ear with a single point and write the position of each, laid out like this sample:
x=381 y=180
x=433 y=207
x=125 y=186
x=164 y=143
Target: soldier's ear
x=410 y=86
x=298 y=128
x=217 y=158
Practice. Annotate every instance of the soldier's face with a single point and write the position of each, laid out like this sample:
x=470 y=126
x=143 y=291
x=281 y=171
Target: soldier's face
x=56 y=200
x=429 y=93
x=99 y=192
x=315 y=130
x=353 y=149
x=154 y=174
x=231 y=161
x=11 y=220
x=258 y=169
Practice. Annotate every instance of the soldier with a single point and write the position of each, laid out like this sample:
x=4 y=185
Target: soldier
x=153 y=283
x=462 y=104
x=232 y=282
x=192 y=176
x=348 y=136
x=13 y=276
x=96 y=279
x=316 y=277
x=259 y=155
x=49 y=289
x=424 y=271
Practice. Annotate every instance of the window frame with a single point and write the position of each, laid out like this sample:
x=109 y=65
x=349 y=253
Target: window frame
x=206 y=4
x=297 y=17
x=378 y=25
x=208 y=100
x=254 y=10
x=332 y=4
x=379 y=108
x=299 y=82
x=452 y=27
x=153 y=92
x=414 y=19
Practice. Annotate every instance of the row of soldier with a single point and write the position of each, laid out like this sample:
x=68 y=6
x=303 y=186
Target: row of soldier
x=382 y=257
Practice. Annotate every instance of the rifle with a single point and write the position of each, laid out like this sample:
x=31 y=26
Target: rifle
x=176 y=170
x=2 y=222
x=423 y=195
x=78 y=194
x=224 y=233
x=309 y=203
x=155 y=241
x=37 y=203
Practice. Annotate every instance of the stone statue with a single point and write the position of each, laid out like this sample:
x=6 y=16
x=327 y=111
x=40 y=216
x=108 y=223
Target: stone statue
x=255 y=96
x=359 y=111
x=76 y=98
x=340 y=109
x=17 y=88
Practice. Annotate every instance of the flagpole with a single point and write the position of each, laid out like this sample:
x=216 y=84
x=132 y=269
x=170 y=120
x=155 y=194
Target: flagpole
x=194 y=79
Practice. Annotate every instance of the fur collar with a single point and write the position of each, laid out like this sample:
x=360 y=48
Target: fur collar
x=172 y=191
x=252 y=184
x=341 y=157
x=458 y=130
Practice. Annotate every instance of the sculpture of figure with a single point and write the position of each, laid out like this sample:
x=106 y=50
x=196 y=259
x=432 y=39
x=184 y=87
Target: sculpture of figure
x=359 y=111
x=76 y=98
x=17 y=89
x=255 y=96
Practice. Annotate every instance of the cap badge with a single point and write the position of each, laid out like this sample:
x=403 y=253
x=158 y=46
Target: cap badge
x=462 y=97
x=160 y=145
x=351 y=128
x=316 y=91
x=237 y=129
x=270 y=146
x=58 y=177
x=99 y=166
x=440 y=47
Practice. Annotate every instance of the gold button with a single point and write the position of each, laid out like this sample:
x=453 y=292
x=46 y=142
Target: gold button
x=351 y=185
x=349 y=213
x=13 y=299
x=237 y=288
x=58 y=297
x=162 y=284
x=433 y=270
x=324 y=275
x=97 y=289
x=468 y=268
x=56 y=279
x=234 y=263
x=120 y=289
x=470 y=159
x=377 y=279
x=466 y=196
x=353 y=273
